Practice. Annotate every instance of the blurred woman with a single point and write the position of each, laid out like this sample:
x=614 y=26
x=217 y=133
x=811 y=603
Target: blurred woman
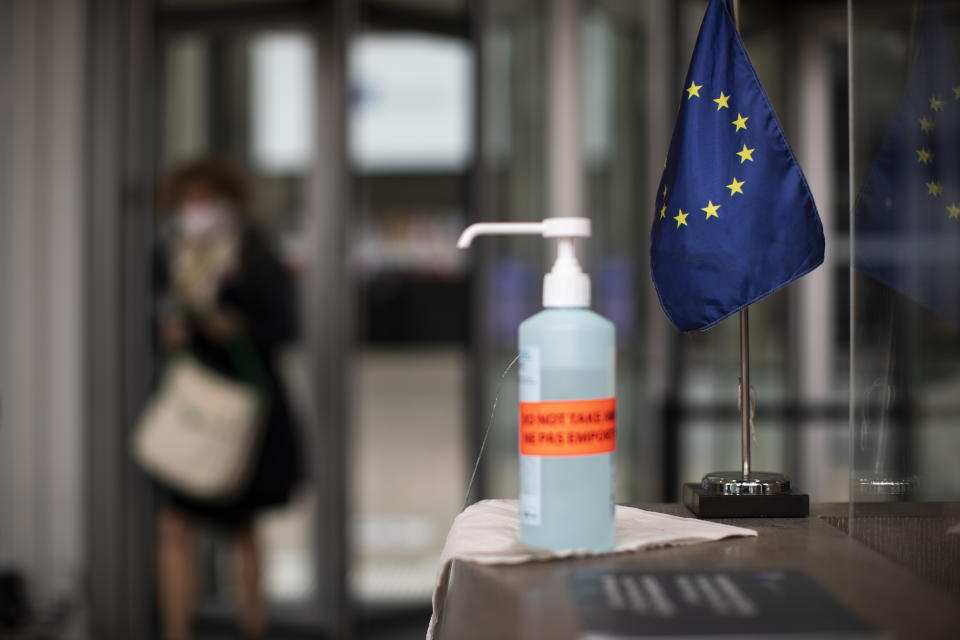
x=218 y=281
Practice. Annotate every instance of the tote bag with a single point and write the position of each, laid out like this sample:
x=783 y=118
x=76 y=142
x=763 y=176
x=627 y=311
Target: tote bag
x=201 y=430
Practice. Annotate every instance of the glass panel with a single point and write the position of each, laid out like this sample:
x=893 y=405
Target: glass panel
x=410 y=140
x=251 y=98
x=411 y=105
x=282 y=96
x=905 y=226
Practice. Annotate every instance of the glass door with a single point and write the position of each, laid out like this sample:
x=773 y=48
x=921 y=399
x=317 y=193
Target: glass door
x=259 y=84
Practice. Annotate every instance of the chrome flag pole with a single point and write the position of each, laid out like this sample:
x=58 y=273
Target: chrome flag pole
x=744 y=390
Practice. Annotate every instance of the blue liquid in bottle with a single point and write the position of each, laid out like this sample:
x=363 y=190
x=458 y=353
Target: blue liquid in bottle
x=567 y=501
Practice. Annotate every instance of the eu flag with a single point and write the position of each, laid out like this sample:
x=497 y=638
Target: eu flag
x=907 y=218
x=734 y=217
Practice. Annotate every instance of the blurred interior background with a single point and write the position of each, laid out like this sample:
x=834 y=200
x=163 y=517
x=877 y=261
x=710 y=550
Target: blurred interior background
x=375 y=130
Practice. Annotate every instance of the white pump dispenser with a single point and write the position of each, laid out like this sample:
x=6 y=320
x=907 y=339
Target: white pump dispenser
x=567 y=408
x=566 y=285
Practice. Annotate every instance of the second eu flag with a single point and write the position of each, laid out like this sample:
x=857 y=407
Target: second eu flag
x=907 y=218
x=734 y=218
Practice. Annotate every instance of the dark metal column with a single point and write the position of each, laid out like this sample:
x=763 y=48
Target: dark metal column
x=328 y=310
x=118 y=352
x=481 y=200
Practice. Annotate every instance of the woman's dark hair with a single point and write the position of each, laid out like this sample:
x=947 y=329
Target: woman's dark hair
x=220 y=175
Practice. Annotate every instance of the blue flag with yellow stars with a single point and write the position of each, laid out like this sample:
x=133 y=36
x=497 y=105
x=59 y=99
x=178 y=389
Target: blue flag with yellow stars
x=907 y=217
x=734 y=217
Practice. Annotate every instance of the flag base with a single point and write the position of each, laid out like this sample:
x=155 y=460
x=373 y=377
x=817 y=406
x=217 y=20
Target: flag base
x=881 y=487
x=725 y=494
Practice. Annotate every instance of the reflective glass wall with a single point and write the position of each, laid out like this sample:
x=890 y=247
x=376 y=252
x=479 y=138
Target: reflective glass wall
x=906 y=299
x=905 y=397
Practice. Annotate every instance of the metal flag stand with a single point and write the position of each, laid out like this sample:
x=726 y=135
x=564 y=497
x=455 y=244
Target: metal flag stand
x=746 y=481
x=745 y=493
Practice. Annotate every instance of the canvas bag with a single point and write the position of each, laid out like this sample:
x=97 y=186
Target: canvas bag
x=201 y=430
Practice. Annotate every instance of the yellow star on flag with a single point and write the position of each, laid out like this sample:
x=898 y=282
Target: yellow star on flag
x=936 y=103
x=693 y=90
x=664 y=191
x=722 y=101
x=746 y=154
x=663 y=212
x=740 y=122
x=934 y=188
x=711 y=210
x=954 y=211
x=681 y=218
x=735 y=186
x=956 y=93
x=926 y=124
x=924 y=155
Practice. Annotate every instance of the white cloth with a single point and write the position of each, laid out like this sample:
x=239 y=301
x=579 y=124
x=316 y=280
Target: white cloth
x=488 y=532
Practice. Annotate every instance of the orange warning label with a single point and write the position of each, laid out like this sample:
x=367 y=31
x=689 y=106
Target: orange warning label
x=568 y=427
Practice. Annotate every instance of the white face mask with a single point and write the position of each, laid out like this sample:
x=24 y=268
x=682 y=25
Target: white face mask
x=200 y=219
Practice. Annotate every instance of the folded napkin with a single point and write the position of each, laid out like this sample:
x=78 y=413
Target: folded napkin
x=488 y=532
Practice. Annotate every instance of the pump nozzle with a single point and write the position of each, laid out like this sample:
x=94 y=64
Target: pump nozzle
x=566 y=285
x=549 y=228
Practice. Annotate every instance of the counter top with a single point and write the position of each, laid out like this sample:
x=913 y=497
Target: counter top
x=533 y=601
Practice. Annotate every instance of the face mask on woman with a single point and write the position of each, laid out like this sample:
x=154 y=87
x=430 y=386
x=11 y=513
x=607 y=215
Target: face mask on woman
x=199 y=219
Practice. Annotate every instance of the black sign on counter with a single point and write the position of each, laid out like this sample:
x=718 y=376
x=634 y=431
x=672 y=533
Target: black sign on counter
x=708 y=604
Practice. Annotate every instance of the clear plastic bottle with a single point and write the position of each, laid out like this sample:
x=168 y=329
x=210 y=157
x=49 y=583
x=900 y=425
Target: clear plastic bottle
x=567 y=435
x=566 y=501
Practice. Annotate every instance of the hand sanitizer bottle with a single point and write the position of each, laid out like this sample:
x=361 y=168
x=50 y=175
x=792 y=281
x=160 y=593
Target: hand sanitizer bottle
x=567 y=401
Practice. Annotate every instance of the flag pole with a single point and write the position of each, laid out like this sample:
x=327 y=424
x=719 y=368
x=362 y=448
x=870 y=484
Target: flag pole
x=745 y=393
x=744 y=353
